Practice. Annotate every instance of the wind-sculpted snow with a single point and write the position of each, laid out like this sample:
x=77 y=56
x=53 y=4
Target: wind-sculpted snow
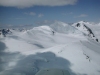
x=25 y=52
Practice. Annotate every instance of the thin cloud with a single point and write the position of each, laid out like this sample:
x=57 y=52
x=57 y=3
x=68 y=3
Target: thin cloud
x=70 y=13
x=19 y=18
x=6 y=25
x=40 y=15
x=83 y=15
x=64 y=14
x=30 y=3
x=30 y=13
x=44 y=22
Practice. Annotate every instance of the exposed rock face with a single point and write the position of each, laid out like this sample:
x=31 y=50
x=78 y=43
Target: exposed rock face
x=83 y=27
x=4 y=32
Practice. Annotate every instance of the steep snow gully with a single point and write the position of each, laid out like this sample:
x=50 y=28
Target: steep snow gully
x=74 y=47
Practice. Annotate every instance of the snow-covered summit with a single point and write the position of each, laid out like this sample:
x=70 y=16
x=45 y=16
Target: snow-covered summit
x=83 y=27
x=62 y=27
x=85 y=22
x=43 y=28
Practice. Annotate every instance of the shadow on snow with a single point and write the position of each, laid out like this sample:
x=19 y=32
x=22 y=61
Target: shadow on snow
x=30 y=64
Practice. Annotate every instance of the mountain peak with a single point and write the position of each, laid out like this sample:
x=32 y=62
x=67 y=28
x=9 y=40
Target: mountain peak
x=83 y=27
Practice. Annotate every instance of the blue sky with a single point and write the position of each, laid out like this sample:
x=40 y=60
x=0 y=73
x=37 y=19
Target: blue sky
x=35 y=12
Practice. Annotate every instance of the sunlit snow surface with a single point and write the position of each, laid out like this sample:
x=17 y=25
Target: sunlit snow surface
x=26 y=52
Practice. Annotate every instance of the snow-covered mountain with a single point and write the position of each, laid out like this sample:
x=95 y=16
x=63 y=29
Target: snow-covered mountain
x=4 y=32
x=62 y=27
x=62 y=46
x=83 y=27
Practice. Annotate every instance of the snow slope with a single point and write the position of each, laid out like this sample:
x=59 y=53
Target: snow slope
x=26 y=52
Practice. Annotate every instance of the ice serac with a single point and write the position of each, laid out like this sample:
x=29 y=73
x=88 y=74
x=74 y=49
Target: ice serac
x=83 y=27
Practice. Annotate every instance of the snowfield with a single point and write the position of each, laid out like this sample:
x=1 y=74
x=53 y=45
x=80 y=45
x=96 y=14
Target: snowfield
x=60 y=45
